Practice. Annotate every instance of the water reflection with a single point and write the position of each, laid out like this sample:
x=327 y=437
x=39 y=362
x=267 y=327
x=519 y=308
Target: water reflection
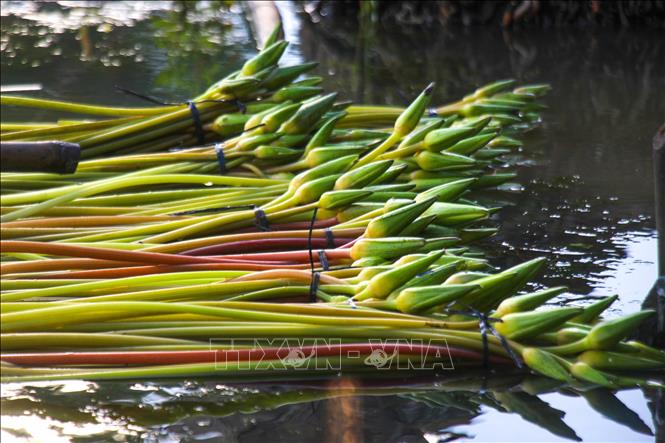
x=341 y=410
x=169 y=49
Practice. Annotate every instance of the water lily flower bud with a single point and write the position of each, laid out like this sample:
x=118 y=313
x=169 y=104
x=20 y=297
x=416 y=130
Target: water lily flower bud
x=340 y=199
x=546 y=364
x=441 y=139
x=470 y=145
x=618 y=361
x=228 y=124
x=322 y=135
x=267 y=57
x=283 y=76
x=381 y=285
x=386 y=247
x=593 y=311
x=421 y=298
x=308 y=114
x=447 y=192
x=272 y=121
x=396 y=220
x=409 y=118
x=524 y=325
x=295 y=93
x=527 y=302
x=608 y=333
x=360 y=177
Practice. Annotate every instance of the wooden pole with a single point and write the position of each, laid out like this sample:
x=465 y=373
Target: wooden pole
x=52 y=156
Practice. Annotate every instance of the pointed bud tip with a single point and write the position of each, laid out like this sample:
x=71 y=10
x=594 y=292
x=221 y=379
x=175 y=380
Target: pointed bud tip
x=428 y=90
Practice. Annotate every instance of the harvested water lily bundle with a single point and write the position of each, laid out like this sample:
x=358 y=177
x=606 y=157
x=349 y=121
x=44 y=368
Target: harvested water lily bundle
x=299 y=234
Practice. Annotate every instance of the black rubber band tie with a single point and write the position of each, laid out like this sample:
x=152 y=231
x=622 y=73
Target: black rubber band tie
x=198 y=126
x=261 y=220
x=323 y=258
x=485 y=325
x=330 y=238
x=314 y=286
x=221 y=159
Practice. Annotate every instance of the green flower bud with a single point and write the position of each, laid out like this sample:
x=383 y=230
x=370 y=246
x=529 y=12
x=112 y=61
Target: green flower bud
x=418 y=299
x=340 y=199
x=452 y=214
x=250 y=142
x=283 y=76
x=470 y=145
x=493 y=180
x=490 y=153
x=309 y=81
x=381 y=285
x=587 y=373
x=505 y=142
x=390 y=174
x=409 y=118
x=437 y=243
x=237 y=86
x=346 y=135
x=505 y=119
x=272 y=121
x=524 y=325
x=324 y=154
x=492 y=88
x=360 y=177
x=527 y=302
x=267 y=57
x=418 y=226
x=295 y=93
x=616 y=361
x=228 y=124
x=537 y=90
x=368 y=261
x=275 y=152
x=546 y=364
x=593 y=311
x=470 y=235
x=464 y=277
x=332 y=167
x=322 y=135
x=395 y=221
x=312 y=190
x=447 y=192
x=419 y=134
x=386 y=247
x=441 y=139
x=608 y=333
x=308 y=114
x=276 y=34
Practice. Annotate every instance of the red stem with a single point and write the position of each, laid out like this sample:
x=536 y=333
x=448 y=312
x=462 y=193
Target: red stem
x=230 y=356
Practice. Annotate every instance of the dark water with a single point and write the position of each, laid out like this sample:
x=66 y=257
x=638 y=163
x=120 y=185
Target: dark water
x=584 y=200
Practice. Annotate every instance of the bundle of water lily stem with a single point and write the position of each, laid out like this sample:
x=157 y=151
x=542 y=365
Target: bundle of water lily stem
x=265 y=212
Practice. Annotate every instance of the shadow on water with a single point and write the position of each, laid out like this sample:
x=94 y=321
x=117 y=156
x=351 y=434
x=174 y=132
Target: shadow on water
x=584 y=200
